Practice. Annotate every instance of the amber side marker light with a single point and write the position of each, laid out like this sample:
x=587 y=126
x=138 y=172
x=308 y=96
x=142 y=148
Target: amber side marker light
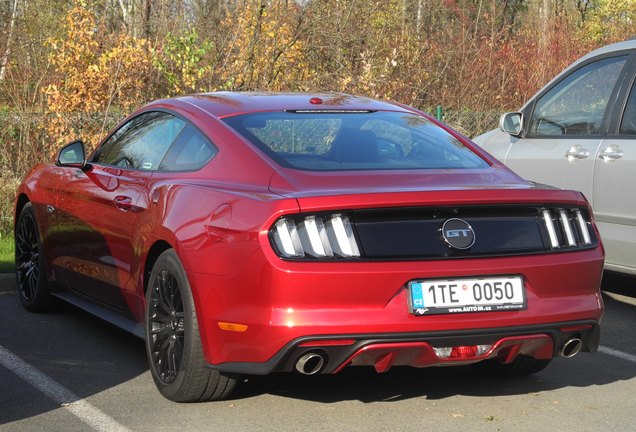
x=232 y=327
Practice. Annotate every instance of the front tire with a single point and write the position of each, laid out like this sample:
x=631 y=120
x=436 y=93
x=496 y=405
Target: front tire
x=32 y=286
x=173 y=343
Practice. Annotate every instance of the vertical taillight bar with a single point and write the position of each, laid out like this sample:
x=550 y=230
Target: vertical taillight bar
x=549 y=224
x=567 y=228
x=583 y=228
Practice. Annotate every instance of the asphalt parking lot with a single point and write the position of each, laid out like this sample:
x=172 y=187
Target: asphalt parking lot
x=69 y=371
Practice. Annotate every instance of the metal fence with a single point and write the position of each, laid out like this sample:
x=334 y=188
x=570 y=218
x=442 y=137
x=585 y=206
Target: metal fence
x=470 y=123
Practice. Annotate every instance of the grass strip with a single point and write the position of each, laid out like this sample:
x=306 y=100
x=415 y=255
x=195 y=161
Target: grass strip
x=7 y=256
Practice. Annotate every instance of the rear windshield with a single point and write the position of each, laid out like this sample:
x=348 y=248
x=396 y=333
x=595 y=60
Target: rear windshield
x=345 y=141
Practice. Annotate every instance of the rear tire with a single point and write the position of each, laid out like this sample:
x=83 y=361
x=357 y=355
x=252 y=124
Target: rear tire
x=173 y=343
x=521 y=366
x=31 y=284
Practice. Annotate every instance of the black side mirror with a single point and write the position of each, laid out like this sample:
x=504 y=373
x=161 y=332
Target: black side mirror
x=512 y=123
x=72 y=155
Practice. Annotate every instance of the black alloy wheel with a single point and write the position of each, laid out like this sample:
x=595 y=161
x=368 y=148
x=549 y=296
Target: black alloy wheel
x=31 y=281
x=167 y=326
x=173 y=344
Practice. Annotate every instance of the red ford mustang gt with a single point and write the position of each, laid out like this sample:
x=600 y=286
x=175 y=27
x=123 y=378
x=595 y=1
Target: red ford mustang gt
x=257 y=233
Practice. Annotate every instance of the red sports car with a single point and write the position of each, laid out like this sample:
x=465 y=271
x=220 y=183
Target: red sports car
x=249 y=233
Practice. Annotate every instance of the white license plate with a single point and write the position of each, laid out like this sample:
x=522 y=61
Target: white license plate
x=447 y=296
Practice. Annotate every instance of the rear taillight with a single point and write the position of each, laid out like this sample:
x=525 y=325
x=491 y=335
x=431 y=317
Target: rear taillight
x=315 y=236
x=567 y=228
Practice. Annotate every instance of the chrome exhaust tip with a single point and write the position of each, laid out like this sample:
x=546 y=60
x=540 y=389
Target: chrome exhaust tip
x=571 y=348
x=310 y=363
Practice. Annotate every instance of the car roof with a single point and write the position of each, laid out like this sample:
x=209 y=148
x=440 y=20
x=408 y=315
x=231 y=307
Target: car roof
x=608 y=49
x=224 y=104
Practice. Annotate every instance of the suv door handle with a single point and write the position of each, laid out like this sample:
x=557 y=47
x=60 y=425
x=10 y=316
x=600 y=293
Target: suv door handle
x=576 y=152
x=123 y=202
x=611 y=153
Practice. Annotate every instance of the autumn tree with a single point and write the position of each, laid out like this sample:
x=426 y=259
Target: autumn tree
x=266 y=48
x=610 y=21
x=95 y=73
x=181 y=60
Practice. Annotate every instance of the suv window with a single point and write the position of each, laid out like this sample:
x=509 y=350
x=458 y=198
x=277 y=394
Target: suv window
x=190 y=151
x=576 y=105
x=628 y=124
x=141 y=143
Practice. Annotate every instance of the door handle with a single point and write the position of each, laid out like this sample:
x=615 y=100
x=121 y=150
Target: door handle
x=611 y=153
x=123 y=202
x=576 y=152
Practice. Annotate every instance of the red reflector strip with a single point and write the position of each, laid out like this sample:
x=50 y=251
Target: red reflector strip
x=576 y=328
x=328 y=342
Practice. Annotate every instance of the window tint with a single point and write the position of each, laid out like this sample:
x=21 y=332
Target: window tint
x=333 y=141
x=141 y=143
x=628 y=124
x=576 y=105
x=190 y=151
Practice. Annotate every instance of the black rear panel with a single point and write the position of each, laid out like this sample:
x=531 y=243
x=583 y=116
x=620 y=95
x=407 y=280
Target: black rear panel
x=416 y=233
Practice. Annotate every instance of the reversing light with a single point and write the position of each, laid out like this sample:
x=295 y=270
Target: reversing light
x=443 y=352
x=324 y=236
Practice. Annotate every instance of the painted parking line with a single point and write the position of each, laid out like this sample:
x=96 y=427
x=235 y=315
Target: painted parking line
x=617 y=353
x=68 y=400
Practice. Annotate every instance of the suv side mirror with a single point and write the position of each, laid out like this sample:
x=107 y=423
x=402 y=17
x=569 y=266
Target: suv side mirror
x=72 y=155
x=512 y=123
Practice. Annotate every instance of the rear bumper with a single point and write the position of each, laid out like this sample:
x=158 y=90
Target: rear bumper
x=382 y=351
x=281 y=304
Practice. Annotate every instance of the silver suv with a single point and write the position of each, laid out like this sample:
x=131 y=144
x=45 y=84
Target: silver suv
x=579 y=132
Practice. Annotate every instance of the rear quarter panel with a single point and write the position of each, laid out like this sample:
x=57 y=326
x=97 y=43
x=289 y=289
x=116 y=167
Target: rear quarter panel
x=214 y=229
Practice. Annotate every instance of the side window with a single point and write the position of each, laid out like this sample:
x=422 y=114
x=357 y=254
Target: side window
x=628 y=123
x=576 y=105
x=141 y=143
x=190 y=151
